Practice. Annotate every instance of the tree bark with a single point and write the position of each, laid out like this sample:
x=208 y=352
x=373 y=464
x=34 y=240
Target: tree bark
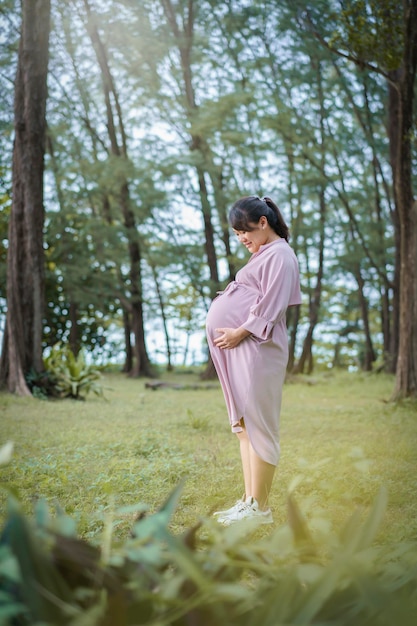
x=369 y=354
x=164 y=317
x=22 y=347
x=74 y=335
x=128 y=364
x=406 y=371
x=314 y=306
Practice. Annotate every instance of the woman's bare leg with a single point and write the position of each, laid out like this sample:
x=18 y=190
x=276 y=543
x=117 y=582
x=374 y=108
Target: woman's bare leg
x=257 y=474
x=262 y=475
x=245 y=458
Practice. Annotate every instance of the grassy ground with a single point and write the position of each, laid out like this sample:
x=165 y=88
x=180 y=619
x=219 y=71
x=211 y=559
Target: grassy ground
x=341 y=441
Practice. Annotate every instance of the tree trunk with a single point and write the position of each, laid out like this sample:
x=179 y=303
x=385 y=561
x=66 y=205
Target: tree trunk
x=394 y=141
x=386 y=329
x=406 y=372
x=209 y=233
x=414 y=315
x=369 y=354
x=22 y=347
x=128 y=364
x=293 y=316
x=209 y=372
x=184 y=39
x=141 y=362
x=217 y=181
x=400 y=132
x=315 y=301
x=74 y=338
x=164 y=317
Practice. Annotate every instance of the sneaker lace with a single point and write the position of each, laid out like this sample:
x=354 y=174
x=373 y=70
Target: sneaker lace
x=243 y=506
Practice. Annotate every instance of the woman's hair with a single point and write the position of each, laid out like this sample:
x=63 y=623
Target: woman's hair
x=249 y=210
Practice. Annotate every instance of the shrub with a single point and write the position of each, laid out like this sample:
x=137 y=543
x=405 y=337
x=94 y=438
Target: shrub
x=210 y=575
x=41 y=384
x=72 y=376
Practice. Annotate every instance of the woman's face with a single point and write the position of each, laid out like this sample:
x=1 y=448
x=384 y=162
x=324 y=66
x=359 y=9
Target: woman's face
x=257 y=237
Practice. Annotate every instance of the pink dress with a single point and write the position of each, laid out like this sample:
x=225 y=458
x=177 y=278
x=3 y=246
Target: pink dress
x=252 y=374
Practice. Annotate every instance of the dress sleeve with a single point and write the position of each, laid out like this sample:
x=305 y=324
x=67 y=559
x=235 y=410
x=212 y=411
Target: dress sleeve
x=280 y=288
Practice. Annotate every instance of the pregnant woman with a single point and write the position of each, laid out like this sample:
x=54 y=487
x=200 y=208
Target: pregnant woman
x=248 y=342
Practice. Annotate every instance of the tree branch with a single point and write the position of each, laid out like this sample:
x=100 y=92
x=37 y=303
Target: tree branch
x=345 y=55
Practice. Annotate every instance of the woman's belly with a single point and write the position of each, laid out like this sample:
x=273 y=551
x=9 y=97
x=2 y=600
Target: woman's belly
x=231 y=308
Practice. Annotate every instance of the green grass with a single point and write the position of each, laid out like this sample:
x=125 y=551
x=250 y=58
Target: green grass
x=341 y=441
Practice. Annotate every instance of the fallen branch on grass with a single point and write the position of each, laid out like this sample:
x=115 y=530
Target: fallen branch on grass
x=159 y=384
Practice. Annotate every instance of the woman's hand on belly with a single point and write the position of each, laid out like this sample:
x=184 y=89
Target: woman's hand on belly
x=230 y=337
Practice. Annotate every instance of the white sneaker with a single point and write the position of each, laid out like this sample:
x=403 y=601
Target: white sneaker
x=247 y=510
x=227 y=512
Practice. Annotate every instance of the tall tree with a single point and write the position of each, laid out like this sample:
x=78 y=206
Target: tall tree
x=184 y=40
x=22 y=343
x=247 y=123
x=115 y=120
x=382 y=37
x=401 y=83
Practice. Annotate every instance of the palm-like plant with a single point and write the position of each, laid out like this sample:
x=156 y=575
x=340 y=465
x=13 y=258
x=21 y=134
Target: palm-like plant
x=73 y=376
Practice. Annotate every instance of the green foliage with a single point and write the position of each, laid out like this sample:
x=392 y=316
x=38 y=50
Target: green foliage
x=207 y=575
x=373 y=31
x=73 y=377
x=271 y=96
x=41 y=384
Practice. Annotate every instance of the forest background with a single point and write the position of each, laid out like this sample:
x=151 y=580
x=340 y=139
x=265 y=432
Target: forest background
x=128 y=128
x=158 y=115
